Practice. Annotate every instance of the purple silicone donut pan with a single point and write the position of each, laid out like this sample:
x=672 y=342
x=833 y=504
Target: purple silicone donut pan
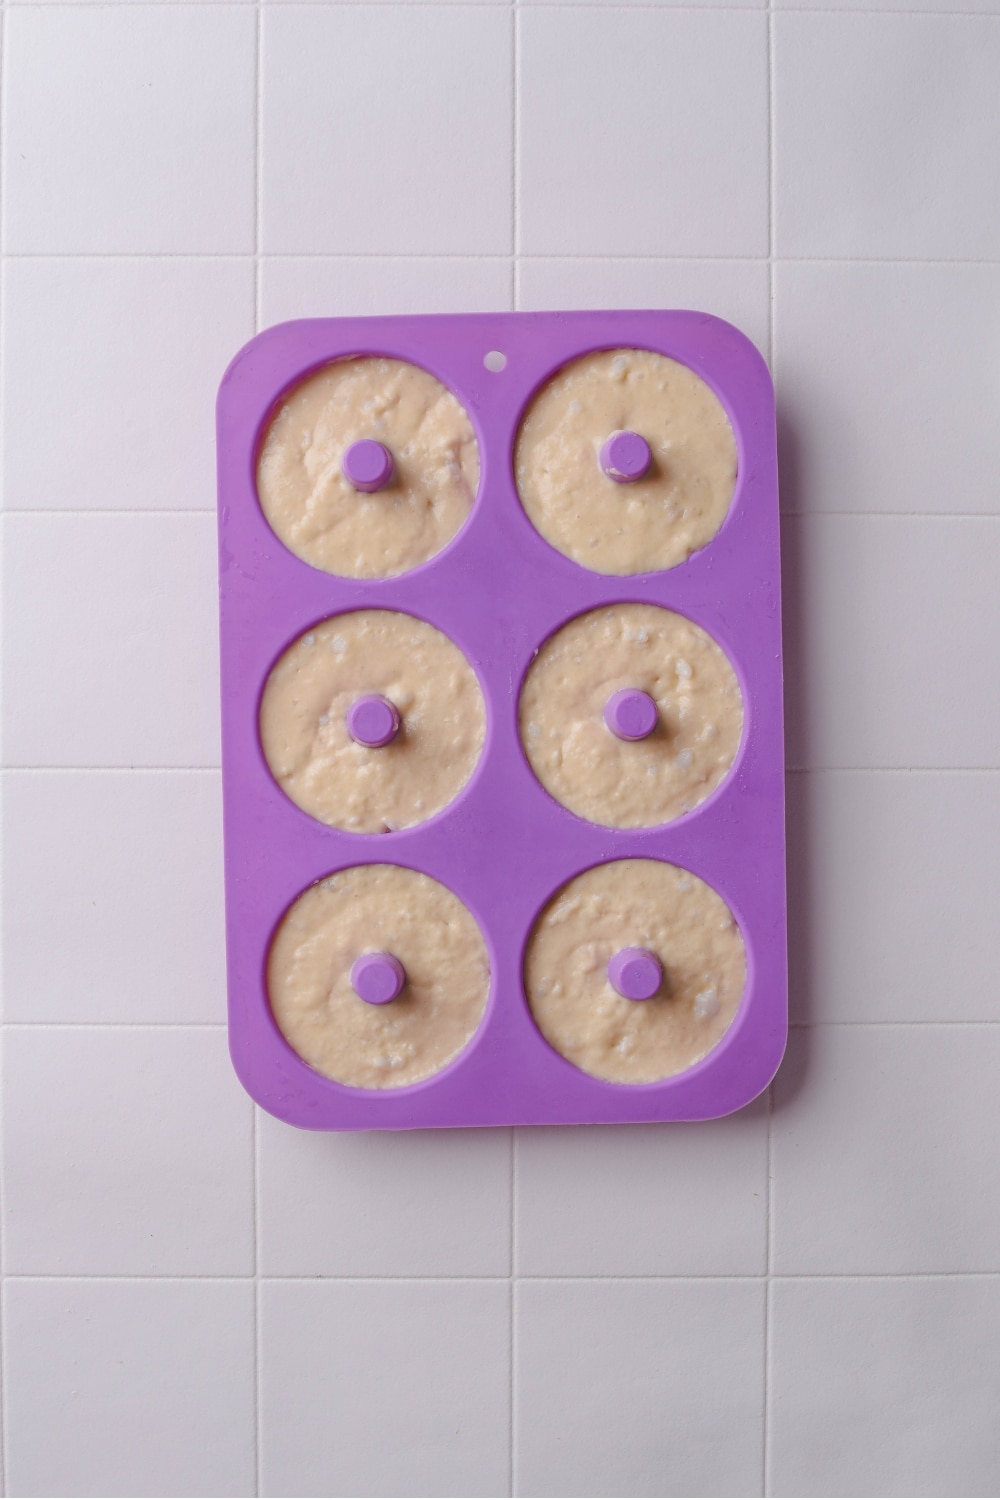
x=504 y=846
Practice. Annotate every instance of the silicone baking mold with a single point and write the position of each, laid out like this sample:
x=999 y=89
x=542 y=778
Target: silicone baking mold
x=504 y=846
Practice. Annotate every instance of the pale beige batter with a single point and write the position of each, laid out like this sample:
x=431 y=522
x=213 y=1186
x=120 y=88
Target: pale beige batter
x=310 y=504
x=655 y=522
x=378 y=908
x=640 y=903
x=303 y=721
x=622 y=783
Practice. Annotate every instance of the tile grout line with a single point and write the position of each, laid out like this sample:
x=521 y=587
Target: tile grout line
x=890 y=13
x=207 y=512
x=257 y=1298
x=133 y=1025
x=4 y=1422
x=515 y=303
x=109 y=770
x=258 y=202
x=512 y=1311
x=60 y=770
x=765 y=1433
x=692 y=1279
x=514 y=165
x=937 y=262
x=254 y=1110
x=768 y=1273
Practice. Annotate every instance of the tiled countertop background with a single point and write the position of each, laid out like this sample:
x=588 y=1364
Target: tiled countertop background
x=801 y=1300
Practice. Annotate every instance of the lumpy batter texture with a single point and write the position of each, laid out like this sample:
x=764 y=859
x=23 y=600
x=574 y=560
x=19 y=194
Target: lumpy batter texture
x=655 y=522
x=303 y=721
x=378 y=908
x=317 y=513
x=621 y=783
x=639 y=903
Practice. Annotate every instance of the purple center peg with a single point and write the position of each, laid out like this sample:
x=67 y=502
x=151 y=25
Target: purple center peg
x=372 y=721
x=377 y=977
x=635 y=973
x=630 y=714
x=625 y=457
x=367 y=465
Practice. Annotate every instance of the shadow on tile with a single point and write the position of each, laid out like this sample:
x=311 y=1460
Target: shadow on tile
x=800 y=847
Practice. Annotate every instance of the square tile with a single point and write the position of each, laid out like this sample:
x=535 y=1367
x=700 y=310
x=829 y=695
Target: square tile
x=384 y=1203
x=111 y=369
x=639 y=1388
x=111 y=641
x=892 y=895
x=391 y=1388
x=643 y=132
x=132 y=865
x=892 y=628
x=317 y=286
x=129 y=128
x=883 y=126
x=127 y=1152
x=884 y=375
x=737 y=290
x=883 y=1143
x=387 y=129
x=129 y=1388
x=644 y=1200
x=909 y=1369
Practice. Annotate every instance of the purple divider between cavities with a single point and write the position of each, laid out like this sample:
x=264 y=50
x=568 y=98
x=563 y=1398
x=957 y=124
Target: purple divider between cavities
x=504 y=846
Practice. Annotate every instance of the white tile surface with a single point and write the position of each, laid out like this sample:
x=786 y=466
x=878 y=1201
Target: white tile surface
x=904 y=1374
x=387 y=129
x=395 y=1388
x=892 y=888
x=619 y=154
x=141 y=1388
x=113 y=897
x=891 y=630
x=883 y=127
x=641 y=1200
x=883 y=1148
x=420 y=1203
x=110 y=655
x=737 y=290
x=639 y=1388
x=316 y=286
x=890 y=419
x=112 y=368
x=129 y=129
x=127 y=1152
x=383 y=157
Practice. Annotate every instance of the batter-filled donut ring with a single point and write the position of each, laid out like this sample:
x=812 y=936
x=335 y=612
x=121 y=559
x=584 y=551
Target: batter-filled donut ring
x=378 y=976
x=372 y=721
x=626 y=462
x=598 y=942
x=368 y=468
x=631 y=715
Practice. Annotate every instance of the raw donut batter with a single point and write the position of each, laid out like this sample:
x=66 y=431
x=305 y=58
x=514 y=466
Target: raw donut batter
x=622 y=783
x=653 y=522
x=423 y=925
x=304 y=732
x=315 y=510
x=647 y=904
